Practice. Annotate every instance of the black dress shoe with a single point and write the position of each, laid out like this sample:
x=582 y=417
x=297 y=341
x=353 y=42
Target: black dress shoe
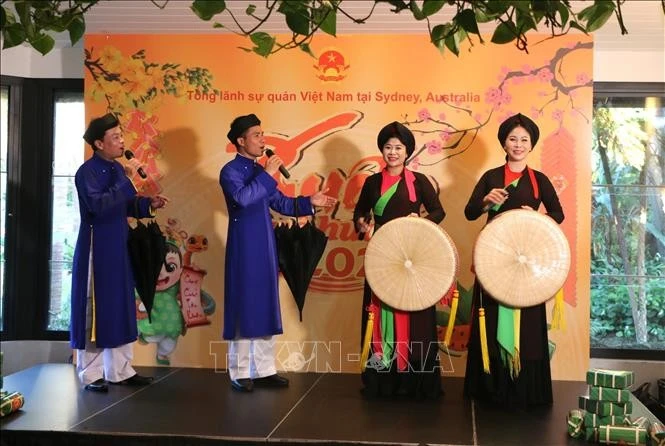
x=242 y=385
x=97 y=386
x=135 y=380
x=272 y=381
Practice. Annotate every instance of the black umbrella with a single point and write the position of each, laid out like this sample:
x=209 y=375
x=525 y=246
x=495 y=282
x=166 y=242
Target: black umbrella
x=299 y=250
x=147 y=250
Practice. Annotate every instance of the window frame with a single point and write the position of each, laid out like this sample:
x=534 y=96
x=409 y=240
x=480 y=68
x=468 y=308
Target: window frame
x=29 y=206
x=627 y=90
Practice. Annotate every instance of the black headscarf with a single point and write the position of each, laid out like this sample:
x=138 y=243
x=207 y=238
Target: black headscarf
x=518 y=120
x=98 y=127
x=240 y=125
x=399 y=131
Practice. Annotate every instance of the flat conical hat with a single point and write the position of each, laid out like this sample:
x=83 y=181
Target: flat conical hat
x=521 y=258
x=410 y=263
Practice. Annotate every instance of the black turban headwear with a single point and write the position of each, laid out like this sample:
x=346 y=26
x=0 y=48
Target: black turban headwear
x=240 y=125
x=399 y=131
x=518 y=120
x=98 y=127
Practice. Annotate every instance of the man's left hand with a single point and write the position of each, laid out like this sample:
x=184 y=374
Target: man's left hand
x=321 y=199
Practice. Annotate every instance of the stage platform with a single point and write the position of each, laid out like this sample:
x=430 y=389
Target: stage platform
x=187 y=406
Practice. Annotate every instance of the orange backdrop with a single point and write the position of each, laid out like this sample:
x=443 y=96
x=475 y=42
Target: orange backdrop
x=177 y=94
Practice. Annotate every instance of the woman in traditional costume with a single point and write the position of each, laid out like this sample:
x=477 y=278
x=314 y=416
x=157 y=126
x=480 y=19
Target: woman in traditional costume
x=518 y=353
x=403 y=352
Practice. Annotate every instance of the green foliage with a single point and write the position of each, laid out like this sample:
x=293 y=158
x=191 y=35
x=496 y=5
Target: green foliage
x=206 y=9
x=611 y=316
x=32 y=20
x=625 y=204
x=60 y=321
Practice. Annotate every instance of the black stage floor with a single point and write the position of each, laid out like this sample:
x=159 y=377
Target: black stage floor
x=186 y=406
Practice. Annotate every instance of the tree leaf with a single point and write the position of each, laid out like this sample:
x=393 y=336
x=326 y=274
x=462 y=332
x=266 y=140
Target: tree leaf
x=7 y=17
x=497 y=7
x=23 y=11
x=432 y=7
x=467 y=20
x=563 y=13
x=504 y=33
x=250 y=9
x=76 y=29
x=522 y=6
x=538 y=15
x=525 y=22
x=584 y=14
x=399 y=5
x=454 y=40
x=483 y=16
x=58 y=25
x=417 y=12
x=217 y=25
x=438 y=35
x=297 y=17
x=600 y=16
x=298 y=23
x=451 y=44
x=574 y=24
x=264 y=43
x=305 y=47
x=326 y=18
x=329 y=24
x=461 y=35
x=13 y=35
x=42 y=43
x=206 y=9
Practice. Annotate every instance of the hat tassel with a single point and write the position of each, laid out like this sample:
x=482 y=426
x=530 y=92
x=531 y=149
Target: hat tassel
x=558 y=317
x=516 y=364
x=451 y=318
x=366 y=341
x=483 y=340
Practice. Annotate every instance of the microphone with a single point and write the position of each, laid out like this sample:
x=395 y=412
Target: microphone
x=488 y=206
x=129 y=155
x=368 y=219
x=282 y=169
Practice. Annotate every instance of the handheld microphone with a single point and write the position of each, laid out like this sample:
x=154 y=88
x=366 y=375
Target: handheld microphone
x=282 y=169
x=129 y=155
x=488 y=206
x=361 y=235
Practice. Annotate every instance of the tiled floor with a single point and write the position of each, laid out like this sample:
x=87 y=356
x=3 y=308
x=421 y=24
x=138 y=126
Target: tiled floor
x=198 y=406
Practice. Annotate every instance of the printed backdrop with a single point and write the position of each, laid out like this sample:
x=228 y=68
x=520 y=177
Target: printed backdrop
x=177 y=94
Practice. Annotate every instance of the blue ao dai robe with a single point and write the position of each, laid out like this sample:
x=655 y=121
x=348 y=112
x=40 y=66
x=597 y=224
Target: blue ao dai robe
x=251 y=291
x=106 y=198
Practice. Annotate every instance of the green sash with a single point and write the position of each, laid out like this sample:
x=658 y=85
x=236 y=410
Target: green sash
x=505 y=330
x=384 y=199
x=387 y=319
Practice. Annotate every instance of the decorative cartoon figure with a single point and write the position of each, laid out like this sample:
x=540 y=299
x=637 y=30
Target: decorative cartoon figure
x=180 y=302
x=194 y=243
x=165 y=323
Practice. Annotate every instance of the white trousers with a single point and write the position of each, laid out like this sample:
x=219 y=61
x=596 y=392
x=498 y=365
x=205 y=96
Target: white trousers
x=113 y=364
x=251 y=358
